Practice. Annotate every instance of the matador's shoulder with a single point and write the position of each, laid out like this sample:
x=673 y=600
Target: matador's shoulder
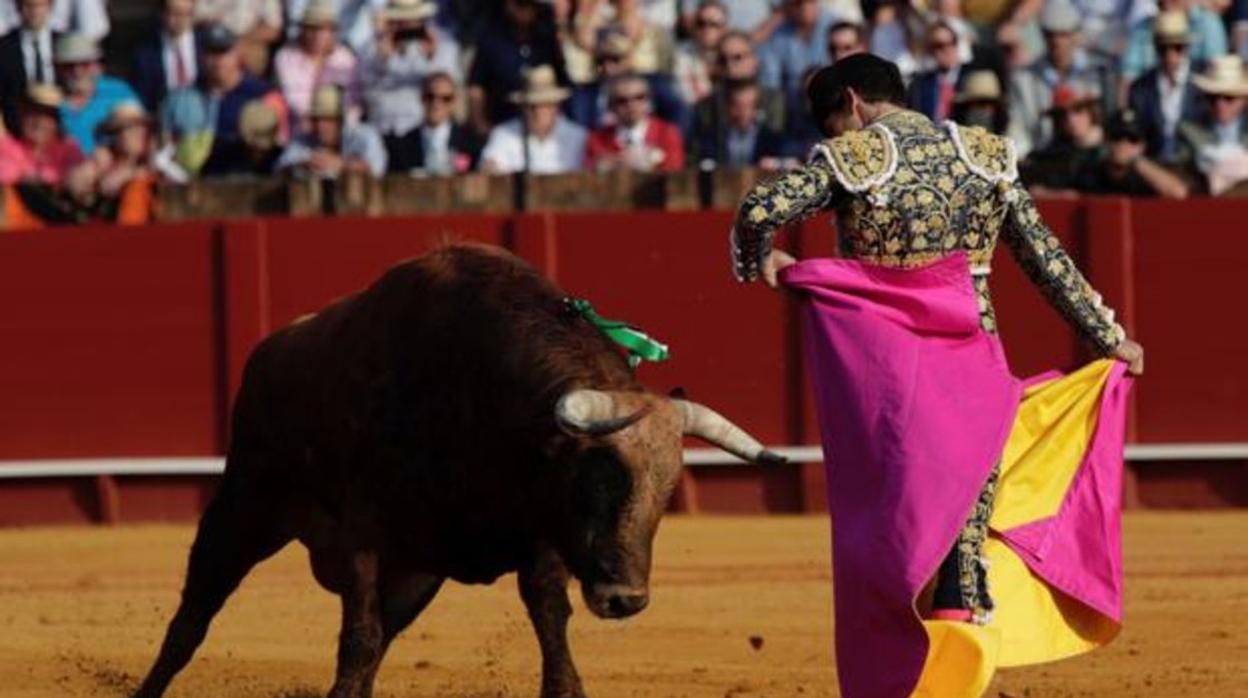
x=860 y=159
x=986 y=154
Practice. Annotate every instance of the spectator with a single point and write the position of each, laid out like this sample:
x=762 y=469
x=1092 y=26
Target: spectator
x=87 y=18
x=980 y=102
x=637 y=141
x=89 y=94
x=735 y=63
x=1106 y=25
x=1216 y=143
x=203 y=120
x=1124 y=169
x=439 y=145
x=1077 y=143
x=895 y=24
x=588 y=105
x=650 y=46
x=355 y=21
x=932 y=92
x=333 y=145
x=523 y=38
x=541 y=141
x=126 y=150
x=695 y=56
x=39 y=151
x=256 y=23
x=26 y=57
x=408 y=49
x=1031 y=90
x=1208 y=38
x=754 y=18
x=1165 y=95
x=260 y=128
x=169 y=60
x=846 y=39
x=317 y=58
x=798 y=44
x=745 y=139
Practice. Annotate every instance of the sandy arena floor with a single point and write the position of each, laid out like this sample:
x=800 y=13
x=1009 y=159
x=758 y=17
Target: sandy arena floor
x=82 y=611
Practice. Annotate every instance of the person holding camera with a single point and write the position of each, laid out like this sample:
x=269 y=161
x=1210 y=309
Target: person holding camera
x=408 y=49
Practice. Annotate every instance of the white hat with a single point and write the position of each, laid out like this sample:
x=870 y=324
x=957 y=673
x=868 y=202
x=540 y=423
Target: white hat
x=979 y=86
x=540 y=87
x=320 y=13
x=76 y=48
x=409 y=10
x=1060 y=17
x=326 y=103
x=1172 y=27
x=1223 y=76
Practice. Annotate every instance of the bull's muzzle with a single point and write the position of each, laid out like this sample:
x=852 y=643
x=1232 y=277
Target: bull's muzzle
x=616 y=600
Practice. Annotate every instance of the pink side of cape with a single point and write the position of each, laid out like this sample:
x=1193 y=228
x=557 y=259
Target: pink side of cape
x=915 y=404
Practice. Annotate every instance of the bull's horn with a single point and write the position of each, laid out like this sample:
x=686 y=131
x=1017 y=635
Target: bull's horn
x=593 y=413
x=712 y=427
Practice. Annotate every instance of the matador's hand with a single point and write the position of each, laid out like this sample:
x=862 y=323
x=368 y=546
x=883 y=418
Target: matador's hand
x=776 y=261
x=1133 y=355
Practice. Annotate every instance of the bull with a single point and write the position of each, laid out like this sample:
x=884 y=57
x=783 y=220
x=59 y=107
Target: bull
x=452 y=421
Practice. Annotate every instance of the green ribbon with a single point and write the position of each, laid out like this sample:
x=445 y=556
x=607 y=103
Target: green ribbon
x=640 y=346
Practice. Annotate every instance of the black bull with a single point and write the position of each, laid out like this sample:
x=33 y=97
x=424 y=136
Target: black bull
x=454 y=420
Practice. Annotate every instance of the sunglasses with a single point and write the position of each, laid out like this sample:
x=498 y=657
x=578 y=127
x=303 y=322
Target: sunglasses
x=1224 y=98
x=709 y=24
x=443 y=97
x=735 y=57
x=629 y=99
x=940 y=45
x=1177 y=48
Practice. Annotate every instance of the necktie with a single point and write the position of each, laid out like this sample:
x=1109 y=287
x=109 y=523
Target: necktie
x=40 y=77
x=945 y=101
x=179 y=67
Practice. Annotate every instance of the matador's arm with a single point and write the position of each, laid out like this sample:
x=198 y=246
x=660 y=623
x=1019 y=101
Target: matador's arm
x=794 y=196
x=1041 y=255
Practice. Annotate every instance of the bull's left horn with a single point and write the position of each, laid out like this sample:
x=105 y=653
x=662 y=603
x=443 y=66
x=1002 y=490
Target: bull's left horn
x=712 y=427
x=593 y=413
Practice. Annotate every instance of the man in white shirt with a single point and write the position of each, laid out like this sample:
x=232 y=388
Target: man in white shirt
x=1165 y=96
x=333 y=146
x=540 y=140
x=168 y=61
x=26 y=57
x=87 y=18
x=409 y=47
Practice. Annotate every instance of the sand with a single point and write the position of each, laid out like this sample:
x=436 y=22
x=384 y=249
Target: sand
x=741 y=607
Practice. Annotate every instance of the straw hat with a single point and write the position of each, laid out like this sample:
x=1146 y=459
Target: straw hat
x=76 y=48
x=540 y=87
x=125 y=115
x=259 y=124
x=979 y=86
x=1223 y=76
x=613 y=43
x=1060 y=17
x=44 y=96
x=320 y=13
x=1172 y=28
x=326 y=103
x=409 y=10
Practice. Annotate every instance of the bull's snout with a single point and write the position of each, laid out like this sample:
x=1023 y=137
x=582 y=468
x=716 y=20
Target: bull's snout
x=616 y=601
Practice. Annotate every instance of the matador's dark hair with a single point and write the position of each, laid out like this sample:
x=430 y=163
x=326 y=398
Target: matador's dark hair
x=873 y=78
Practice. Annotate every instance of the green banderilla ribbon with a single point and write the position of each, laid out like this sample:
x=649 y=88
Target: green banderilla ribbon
x=640 y=346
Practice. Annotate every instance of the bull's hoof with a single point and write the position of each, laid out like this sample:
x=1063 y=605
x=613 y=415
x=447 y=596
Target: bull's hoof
x=565 y=690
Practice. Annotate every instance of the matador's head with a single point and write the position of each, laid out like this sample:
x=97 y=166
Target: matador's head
x=853 y=92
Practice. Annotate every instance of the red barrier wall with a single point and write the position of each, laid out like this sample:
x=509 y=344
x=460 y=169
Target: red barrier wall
x=129 y=342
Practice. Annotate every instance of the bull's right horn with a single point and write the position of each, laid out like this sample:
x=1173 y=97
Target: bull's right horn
x=712 y=427
x=593 y=413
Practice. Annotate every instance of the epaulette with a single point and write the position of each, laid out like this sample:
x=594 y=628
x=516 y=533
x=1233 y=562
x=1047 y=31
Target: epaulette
x=860 y=159
x=988 y=155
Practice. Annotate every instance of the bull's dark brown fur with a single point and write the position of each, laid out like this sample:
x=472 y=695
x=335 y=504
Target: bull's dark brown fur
x=405 y=435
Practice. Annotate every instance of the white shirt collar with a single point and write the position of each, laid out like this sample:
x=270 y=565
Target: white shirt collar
x=635 y=135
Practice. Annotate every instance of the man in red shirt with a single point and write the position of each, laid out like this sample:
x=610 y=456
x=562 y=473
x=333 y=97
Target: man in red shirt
x=636 y=140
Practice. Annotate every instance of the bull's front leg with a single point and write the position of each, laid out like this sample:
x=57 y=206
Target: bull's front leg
x=361 y=642
x=544 y=588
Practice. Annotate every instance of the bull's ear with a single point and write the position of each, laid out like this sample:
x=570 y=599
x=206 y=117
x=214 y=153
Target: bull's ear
x=678 y=393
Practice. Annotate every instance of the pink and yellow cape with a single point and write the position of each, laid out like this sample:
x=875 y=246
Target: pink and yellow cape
x=916 y=405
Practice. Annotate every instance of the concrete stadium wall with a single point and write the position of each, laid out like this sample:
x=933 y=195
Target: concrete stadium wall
x=129 y=343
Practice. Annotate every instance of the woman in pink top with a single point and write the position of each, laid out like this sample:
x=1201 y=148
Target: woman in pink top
x=41 y=152
x=314 y=59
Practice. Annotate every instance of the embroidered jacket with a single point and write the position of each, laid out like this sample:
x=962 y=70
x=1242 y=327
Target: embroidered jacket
x=907 y=192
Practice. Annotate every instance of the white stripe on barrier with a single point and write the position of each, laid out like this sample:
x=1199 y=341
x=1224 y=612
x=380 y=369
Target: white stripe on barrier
x=88 y=467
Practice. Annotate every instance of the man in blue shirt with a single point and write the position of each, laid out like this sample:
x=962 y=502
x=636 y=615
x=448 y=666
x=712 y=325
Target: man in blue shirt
x=89 y=94
x=798 y=44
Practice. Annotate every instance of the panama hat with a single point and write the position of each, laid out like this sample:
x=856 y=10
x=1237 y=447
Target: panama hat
x=44 y=96
x=320 y=13
x=979 y=86
x=76 y=48
x=1172 y=27
x=1223 y=76
x=326 y=103
x=613 y=43
x=409 y=10
x=259 y=124
x=1060 y=17
x=540 y=87
x=125 y=115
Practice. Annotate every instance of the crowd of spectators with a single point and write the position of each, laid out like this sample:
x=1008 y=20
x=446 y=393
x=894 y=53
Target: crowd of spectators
x=1140 y=97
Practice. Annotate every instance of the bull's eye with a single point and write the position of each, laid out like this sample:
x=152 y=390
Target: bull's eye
x=601 y=488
